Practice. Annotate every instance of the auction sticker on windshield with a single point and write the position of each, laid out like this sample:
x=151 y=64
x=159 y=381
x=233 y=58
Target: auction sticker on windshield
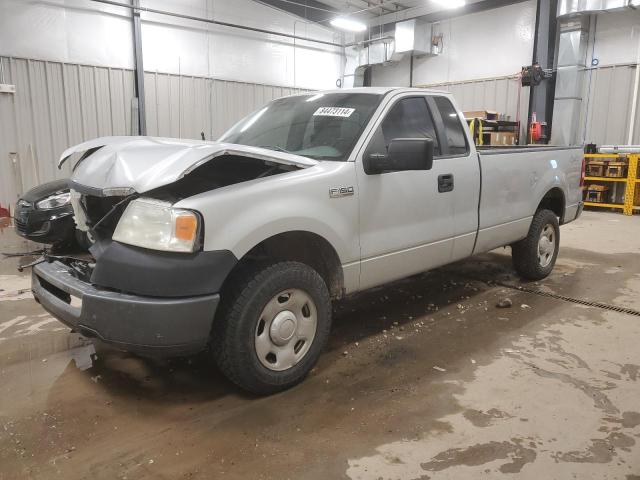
x=334 y=112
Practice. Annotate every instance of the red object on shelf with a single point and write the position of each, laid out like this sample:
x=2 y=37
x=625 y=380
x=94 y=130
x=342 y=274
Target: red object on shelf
x=535 y=131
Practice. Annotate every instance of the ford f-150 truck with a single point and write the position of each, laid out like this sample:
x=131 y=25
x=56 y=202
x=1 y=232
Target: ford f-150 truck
x=239 y=246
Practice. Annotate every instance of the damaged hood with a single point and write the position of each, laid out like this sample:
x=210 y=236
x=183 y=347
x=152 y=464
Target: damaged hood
x=140 y=164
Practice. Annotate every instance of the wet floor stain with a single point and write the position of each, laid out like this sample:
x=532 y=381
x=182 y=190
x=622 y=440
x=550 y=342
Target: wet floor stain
x=480 y=454
x=424 y=379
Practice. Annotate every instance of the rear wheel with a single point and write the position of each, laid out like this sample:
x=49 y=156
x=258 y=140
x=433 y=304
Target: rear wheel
x=535 y=256
x=271 y=326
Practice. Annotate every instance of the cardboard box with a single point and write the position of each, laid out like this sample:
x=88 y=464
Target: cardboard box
x=502 y=138
x=482 y=114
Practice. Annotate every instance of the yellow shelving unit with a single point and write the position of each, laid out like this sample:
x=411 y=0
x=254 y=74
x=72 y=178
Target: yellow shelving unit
x=630 y=182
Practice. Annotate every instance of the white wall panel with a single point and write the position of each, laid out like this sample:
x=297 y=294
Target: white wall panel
x=180 y=46
x=488 y=44
x=617 y=38
x=72 y=31
x=85 y=32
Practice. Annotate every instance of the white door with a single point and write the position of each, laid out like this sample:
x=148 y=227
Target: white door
x=406 y=220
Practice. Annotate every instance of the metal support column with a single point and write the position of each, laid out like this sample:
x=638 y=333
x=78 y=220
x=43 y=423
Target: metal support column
x=544 y=53
x=139 y=73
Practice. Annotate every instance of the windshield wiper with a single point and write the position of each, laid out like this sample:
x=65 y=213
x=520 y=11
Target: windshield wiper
x=274 y=147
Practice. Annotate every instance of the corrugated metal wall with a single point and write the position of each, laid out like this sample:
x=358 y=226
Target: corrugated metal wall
x=501 y=94
x=57 y=105
x=607 y=112
x=185 y=107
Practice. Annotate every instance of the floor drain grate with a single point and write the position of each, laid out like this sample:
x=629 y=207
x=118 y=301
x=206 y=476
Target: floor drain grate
x=604 y=306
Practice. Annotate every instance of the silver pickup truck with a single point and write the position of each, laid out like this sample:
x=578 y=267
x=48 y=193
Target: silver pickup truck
x=239 y=246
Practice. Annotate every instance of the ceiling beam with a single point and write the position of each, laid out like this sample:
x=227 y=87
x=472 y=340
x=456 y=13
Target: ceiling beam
x=434 y=13
x=311 y=10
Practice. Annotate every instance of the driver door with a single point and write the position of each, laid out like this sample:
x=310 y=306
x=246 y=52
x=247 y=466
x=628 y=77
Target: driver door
x=406 y=217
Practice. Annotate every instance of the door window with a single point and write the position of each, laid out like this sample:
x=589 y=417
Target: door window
x=408 y=118
x=455 y=136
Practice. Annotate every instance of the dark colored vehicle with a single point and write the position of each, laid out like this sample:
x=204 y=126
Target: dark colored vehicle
x=44 y=214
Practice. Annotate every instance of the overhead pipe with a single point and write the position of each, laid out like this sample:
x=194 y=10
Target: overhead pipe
x=215 y=22
x=619 y=149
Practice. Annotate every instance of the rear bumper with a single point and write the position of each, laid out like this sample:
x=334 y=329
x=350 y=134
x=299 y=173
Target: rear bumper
x=144 y=325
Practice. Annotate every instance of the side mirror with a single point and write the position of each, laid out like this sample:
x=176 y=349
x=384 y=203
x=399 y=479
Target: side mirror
x=403 y=154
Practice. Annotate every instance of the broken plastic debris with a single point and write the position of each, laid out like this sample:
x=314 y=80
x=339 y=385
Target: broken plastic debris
x=524 y=306
x=82 y=356
x=440 y=369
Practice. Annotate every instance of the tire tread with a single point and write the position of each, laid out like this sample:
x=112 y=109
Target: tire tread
x=227 y=341
x=525 y=252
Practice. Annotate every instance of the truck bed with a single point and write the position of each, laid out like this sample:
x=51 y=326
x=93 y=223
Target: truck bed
x=501 y=149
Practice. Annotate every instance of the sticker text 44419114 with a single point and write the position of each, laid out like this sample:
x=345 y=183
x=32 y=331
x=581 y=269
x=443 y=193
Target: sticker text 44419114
x=334 y=112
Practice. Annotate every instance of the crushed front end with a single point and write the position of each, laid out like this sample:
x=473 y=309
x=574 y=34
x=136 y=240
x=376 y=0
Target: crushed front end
x=144 y=301
x=148 y=285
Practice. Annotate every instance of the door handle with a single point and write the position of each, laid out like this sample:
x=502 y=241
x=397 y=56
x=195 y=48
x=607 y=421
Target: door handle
x=445 y=183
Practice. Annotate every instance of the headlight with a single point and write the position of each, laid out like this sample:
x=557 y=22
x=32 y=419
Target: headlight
x=54 y=201
x=157 y=225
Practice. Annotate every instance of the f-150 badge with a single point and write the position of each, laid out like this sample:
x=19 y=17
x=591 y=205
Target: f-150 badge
x=337 y=192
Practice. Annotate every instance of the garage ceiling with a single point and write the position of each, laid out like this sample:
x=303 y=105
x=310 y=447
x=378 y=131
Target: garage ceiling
x=380 y=12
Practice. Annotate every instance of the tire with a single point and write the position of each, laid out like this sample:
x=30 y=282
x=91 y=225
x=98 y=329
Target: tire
x=249 y=335
x=534 y=257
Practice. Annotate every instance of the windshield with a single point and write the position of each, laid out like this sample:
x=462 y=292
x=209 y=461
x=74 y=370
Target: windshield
x=321 y=126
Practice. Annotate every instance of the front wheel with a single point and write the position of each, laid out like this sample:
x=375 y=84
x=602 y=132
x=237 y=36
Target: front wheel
x=271 y=327
x=535 y=256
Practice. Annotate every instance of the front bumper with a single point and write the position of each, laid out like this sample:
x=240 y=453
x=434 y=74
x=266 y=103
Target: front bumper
x=144 y=325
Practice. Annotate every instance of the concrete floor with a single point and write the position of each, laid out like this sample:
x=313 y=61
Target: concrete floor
x=423 y=379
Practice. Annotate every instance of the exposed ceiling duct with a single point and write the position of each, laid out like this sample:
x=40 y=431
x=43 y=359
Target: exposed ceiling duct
x=411 y=37
x=576 y=26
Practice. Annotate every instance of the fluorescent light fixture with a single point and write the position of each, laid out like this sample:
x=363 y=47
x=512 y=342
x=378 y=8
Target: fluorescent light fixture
x=451 y=3
x=348 y=24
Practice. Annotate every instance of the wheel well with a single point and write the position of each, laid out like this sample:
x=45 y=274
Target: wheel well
x=304 y=247
x=554 y=201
